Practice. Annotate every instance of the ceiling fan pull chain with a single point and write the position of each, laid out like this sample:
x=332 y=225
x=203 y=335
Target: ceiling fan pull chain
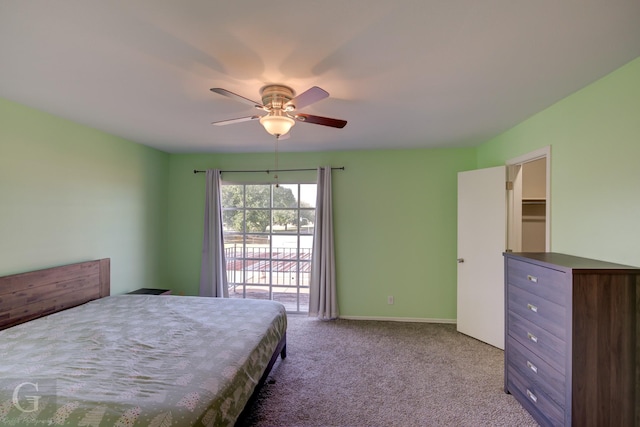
x=276 y=175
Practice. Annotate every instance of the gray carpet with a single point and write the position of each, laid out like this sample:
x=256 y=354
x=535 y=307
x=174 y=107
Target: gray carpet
x=369 y=373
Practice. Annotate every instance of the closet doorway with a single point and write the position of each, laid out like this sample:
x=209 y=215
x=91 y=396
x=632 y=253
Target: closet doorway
x=528 y=202
x=482 y=223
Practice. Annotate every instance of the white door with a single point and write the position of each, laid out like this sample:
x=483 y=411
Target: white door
x=481 y=242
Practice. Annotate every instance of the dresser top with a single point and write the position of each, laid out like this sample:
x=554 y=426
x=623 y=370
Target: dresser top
x=577 y=264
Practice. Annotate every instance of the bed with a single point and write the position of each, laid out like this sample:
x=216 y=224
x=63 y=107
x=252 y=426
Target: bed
x=74 y=355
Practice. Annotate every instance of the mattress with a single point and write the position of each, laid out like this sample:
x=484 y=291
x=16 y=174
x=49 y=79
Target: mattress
x=141 y=360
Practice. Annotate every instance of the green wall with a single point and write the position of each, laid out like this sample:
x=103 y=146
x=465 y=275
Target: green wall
x=69 y=193
x=394 y=222
x=594 y=136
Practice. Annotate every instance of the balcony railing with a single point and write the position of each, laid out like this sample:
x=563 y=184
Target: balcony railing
x=281 y=274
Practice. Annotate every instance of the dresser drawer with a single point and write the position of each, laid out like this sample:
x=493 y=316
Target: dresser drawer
x=544 y=282
x=536 y=371
x=542 y=312
x=540 y=342
x=534 y=399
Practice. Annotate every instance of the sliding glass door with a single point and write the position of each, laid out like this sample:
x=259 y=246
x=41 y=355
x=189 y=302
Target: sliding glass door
x=268 y=238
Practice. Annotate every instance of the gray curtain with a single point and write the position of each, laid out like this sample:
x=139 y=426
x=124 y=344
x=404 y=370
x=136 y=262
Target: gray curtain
x=213 y=271
x=323 y=302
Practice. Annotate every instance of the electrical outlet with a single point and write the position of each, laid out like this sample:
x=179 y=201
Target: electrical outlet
x=390 y=299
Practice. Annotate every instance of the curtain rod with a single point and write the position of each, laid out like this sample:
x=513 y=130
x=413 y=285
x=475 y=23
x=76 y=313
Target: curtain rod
x=269 y=171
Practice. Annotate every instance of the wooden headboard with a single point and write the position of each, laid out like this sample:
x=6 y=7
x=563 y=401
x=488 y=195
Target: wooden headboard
x=27 y=296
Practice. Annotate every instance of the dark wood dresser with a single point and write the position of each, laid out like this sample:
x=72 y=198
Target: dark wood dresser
x=571 y=345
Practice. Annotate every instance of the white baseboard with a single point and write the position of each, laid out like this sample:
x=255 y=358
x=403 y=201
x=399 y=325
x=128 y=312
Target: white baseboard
x=400 y=319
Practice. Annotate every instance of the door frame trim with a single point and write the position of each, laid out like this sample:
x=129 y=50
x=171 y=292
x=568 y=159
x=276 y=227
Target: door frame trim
x=515 y=197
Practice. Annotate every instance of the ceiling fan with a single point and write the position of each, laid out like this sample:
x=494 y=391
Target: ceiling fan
x=281 y=103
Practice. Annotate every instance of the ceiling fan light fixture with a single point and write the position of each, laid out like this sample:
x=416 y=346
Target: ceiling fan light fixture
x=277 y=125
x=280 y=102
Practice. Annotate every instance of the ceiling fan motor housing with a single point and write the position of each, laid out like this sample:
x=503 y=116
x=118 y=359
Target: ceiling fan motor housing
x=274 y=97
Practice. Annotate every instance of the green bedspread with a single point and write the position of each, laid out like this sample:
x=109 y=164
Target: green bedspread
x=138 y=360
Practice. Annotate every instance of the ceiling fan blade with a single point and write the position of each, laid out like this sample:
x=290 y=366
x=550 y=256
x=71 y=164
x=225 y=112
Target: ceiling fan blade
x=317 y=120
x=307 y=97
x=237 y=97
x=232 y=121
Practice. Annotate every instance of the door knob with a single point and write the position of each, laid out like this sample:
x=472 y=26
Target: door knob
x=460 y=260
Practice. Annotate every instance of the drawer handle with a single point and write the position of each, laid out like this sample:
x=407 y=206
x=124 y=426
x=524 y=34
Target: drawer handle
x=532 y=337
x=532 y=396
x=531 y=278
x=532 y=308
x=533 y=367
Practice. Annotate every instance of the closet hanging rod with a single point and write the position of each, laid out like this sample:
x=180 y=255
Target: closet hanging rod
x=269 y=170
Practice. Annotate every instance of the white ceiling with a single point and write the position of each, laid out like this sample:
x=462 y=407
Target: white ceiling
x=403 y=73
